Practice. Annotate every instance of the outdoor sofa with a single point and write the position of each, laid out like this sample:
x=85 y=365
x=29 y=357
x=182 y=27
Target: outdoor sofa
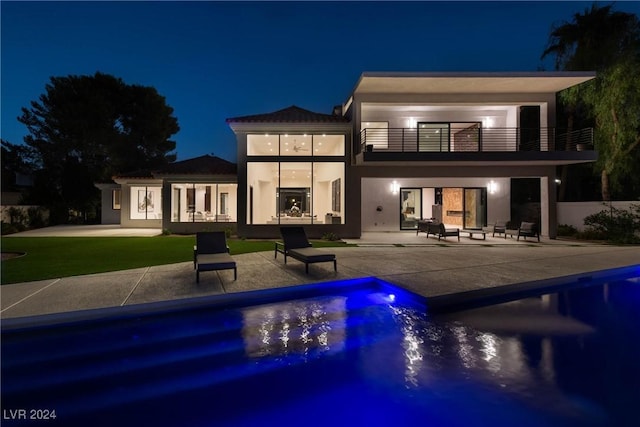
x=438 y=229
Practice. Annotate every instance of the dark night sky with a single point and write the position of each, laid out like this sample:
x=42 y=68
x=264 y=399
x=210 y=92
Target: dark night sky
x=214 y=60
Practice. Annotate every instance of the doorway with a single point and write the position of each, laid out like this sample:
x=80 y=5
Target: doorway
x=529 y=130
x=475 y=208
x=410 y=208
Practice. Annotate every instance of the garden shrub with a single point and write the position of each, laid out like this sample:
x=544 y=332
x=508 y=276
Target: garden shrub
x=17 y=216
x=8 y=228
x=616 y=225
x=36 y=217
x=332 y=237
x=567 y=230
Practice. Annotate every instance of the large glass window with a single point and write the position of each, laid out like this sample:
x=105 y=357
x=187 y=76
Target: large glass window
x=263 y=145
x=328 y=145
x=295 y=193
x=204 y=202
x=295 y=145
x=146 y=203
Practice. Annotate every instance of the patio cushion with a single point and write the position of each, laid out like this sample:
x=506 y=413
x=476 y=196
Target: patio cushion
x=220 y=261
x=310 y=255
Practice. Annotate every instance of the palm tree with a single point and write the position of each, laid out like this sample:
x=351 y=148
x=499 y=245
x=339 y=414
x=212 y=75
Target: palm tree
x=594 y=41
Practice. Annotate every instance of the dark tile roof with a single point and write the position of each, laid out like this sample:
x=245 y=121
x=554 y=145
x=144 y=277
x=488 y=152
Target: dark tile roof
x=203 y=165
x=292 y=114
x=137 y=174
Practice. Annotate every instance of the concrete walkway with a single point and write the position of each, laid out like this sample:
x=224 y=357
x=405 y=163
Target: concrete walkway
x=425 y=266
x=88 y=231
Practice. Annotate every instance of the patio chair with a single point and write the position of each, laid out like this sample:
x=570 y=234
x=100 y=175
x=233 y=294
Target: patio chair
x=500 y=227
x=212 y=253
x=528 y=229
x=296 y=245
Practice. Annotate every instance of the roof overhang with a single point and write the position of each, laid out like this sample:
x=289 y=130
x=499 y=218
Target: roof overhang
x=487 y=158
x=467 y=83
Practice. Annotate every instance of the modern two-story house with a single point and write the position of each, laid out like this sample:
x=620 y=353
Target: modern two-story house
x=403 y=147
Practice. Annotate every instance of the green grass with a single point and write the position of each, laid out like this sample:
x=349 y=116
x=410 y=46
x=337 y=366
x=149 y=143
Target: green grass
x=53 y=257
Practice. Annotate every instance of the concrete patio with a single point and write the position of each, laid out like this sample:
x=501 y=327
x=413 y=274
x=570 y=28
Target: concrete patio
x=424 y=266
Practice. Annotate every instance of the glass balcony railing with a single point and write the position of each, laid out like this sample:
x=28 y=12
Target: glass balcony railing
x=401 y=140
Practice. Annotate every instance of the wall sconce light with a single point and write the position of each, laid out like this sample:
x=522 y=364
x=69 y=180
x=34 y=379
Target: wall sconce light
x=394 y=187
x=492 y=187
x=411 y=123
x=558 y=181
x=487 y=122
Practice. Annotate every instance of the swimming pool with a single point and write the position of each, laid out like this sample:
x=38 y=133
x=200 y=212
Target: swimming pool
x=358 y=352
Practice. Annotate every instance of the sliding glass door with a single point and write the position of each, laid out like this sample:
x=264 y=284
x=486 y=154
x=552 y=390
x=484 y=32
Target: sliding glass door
x=410 y=208
x=475 y=208
x=433 y=137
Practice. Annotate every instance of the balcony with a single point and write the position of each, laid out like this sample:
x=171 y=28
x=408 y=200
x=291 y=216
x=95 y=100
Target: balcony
x=544 y=145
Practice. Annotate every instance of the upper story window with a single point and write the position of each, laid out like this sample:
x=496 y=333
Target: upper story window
x=295 y=145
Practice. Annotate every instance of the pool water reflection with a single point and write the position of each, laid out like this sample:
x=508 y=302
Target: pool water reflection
x=359 y=356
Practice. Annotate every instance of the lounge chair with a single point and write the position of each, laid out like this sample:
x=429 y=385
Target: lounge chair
x=296 y=245
x=500 y=227
x=212 y=253
x=528 y=229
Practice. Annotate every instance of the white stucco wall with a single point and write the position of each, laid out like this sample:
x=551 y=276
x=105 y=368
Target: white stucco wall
x=376 y=192
x=574 y=213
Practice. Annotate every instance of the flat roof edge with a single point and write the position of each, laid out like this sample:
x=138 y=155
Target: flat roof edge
x=496 y=74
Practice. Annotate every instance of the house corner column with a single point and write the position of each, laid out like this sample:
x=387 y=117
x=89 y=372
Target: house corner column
x=548 y=207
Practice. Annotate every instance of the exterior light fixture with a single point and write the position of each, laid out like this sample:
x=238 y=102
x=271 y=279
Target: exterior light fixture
x=394 y=187
x=492 y=187
x=558 y=181
x=487 y=122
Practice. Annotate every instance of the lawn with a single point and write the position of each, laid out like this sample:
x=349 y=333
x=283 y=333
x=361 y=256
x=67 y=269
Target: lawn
x=53 y=257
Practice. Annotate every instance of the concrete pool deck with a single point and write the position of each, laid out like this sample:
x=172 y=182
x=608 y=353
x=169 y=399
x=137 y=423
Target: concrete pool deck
x=425 y=266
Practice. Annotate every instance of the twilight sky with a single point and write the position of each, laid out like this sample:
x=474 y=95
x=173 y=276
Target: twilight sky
x=215 y=60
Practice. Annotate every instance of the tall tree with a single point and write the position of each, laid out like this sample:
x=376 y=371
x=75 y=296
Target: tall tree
x=14 y=163
x=615 y=100
x=599 y=39
x=85 y=129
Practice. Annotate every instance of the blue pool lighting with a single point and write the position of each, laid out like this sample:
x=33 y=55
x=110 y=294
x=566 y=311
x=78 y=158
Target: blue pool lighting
x=344 y=353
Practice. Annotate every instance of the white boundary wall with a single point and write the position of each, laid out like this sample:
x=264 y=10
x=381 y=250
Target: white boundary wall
x=574 y=213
